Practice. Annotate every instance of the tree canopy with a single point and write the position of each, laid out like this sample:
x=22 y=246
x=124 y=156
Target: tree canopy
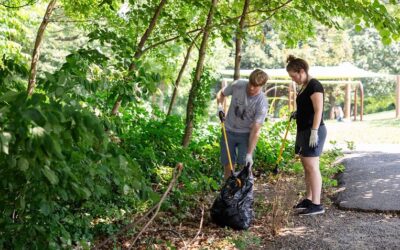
x=90 y=140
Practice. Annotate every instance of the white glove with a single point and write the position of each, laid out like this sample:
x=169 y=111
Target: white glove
x=313 y=138
x=249 y=159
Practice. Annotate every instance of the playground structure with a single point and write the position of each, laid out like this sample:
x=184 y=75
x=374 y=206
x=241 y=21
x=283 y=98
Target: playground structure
x=344 y=74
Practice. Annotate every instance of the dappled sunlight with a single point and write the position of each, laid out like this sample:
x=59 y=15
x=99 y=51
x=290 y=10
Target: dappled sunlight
x=368 y=195
x=371 y=181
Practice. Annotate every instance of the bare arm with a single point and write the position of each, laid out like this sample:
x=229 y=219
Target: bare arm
x=318 y=102
x=220 y=98
x=254 y=135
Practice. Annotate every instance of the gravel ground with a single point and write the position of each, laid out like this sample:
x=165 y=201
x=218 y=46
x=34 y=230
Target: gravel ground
x=338 y=229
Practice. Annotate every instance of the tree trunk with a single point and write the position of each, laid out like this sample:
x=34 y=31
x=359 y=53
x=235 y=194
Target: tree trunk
x=196 y=80
x=36 y=49
x=347 y=101
x=139 y=49
x=178 y=79
x=239 y=40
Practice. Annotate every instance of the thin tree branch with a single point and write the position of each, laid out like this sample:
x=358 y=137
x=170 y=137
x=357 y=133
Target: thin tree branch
x=174 y=232
x=239 y=40
x=180 y=74
x=177 y=172
x=197 y=75
x=168 y=40
x=260 y=22
x=200 y=226
x=125 y=229
x=147 y=33
x=227 y=20
x=36 y=49
x=277 y=8
x=139 y=48
x=251 y=12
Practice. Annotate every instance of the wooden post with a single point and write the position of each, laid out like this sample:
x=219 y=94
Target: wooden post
x=361 y=100
x=355 y=104
x=398 y=97
x=347 y=101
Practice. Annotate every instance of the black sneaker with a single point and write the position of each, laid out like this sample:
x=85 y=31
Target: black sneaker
x=302 y=205
x=313 y=210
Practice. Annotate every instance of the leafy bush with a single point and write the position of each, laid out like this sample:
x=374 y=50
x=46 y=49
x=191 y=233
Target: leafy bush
x=59 y=172
x=374 y=104
x=13 y=74
x=270 y=143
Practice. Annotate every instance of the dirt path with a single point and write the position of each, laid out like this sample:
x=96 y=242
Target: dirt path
x=338 y=229
x=278 y=227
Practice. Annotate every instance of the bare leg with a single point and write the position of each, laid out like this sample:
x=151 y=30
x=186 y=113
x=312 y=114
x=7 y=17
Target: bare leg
x=313 y=174
x=307 y=181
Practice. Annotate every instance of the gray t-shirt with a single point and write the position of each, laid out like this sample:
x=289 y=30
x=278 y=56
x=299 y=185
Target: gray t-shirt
x=244 y=110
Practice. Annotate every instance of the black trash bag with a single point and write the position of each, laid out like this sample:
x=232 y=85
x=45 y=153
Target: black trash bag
x=233 y=207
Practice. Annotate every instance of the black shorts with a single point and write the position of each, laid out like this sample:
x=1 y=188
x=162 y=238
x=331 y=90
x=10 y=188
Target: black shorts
x=303 y=140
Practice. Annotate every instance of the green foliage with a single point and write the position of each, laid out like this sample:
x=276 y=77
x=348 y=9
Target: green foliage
x=69 y=175
x=328 y=166
x=72 y=82
x=155 y=142
x=270 y=143
x=246 y=240
x=203 y=96
x=59 y=171
x=374 y=104
x=13 y=75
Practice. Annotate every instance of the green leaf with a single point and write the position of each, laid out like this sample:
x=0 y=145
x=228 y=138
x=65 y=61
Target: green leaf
x=86 y=193
x=59 y=91
x=22 y=202
x=358 y=28
x=37 y=99
x=5 y=139
x=50 y=175
x=45 y=208
x=35 y=115
x=23 y=164
x=11 y=96
x=57 y=148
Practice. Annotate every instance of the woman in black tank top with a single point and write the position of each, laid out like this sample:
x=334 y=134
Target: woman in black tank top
x=311 y=133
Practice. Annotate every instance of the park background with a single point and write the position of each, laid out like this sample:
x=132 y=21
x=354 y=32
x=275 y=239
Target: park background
x=101 y=99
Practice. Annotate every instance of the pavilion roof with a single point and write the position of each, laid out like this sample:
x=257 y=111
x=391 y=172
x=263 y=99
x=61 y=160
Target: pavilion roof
x=343 y=71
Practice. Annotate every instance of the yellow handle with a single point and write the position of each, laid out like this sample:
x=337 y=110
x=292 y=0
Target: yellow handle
x=283 y=143
x=227 y=147
x=238 y=182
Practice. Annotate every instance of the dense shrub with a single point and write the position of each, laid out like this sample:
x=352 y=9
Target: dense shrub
x=59 y=173
x=374 y=104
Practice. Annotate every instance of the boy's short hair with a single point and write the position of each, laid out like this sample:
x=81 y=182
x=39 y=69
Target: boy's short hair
x=258 y=77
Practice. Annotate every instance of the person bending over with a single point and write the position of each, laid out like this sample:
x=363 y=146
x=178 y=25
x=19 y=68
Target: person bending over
x=246 y=114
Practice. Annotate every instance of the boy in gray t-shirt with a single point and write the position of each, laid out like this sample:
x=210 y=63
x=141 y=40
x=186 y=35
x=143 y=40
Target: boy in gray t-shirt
x=245 y=117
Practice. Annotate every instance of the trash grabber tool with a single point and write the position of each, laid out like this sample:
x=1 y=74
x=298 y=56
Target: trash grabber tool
x=276 y=169
x=222 y=118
